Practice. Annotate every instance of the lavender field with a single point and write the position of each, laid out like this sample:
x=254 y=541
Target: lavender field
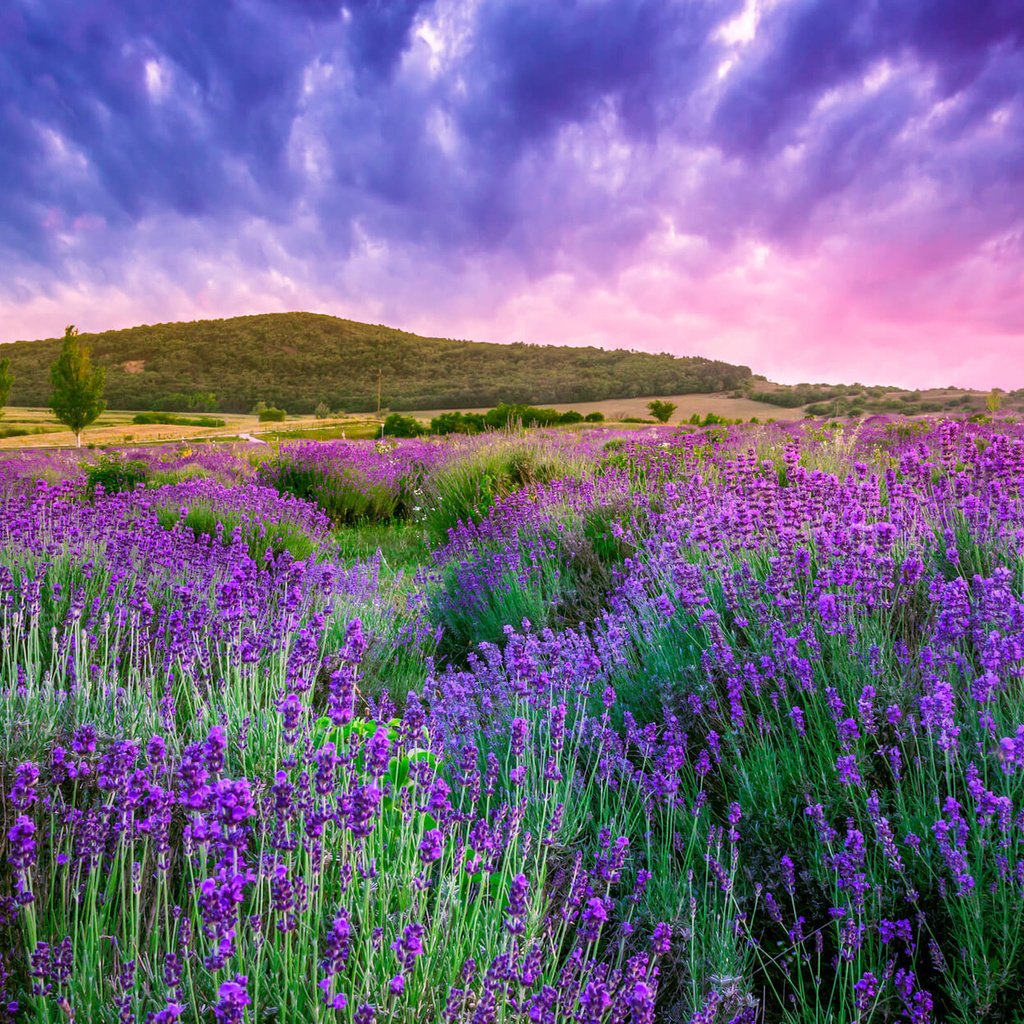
x=719 y=727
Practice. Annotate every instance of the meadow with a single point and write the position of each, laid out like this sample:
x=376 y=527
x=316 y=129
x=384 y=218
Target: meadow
x=722 y=726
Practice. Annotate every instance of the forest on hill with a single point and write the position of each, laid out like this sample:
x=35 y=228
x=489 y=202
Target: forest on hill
x=298 y=361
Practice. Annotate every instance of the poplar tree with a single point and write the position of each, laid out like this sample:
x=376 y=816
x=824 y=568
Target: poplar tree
x=77 y=398
x=6 y=383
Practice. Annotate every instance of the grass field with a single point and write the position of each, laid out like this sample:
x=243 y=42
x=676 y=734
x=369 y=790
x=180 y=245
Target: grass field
x=116 y=427
x=617 y=409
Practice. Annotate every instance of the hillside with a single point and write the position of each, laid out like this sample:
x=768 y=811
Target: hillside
x=297 y=360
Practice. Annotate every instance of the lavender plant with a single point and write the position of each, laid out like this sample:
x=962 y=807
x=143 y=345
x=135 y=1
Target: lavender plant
x=773 y=773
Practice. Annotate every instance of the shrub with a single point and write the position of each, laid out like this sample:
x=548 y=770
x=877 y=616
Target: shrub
x=272 y=415
x=458 y=423
x=322 y=411
x=397 y=425
x=571 y=416
x=661 y=411
x=114 y=473
x=594 y=417
x=177 y=421
x=506 y=415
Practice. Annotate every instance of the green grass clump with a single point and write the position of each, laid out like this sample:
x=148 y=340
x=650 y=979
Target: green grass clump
x=259 y=537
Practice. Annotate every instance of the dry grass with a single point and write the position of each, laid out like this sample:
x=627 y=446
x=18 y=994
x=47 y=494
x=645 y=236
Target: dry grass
x=620 y=408
x=115 y=427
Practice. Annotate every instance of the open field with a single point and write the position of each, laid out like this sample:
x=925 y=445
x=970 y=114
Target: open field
x=706 y=726
x=116 y=427
x=617 y=409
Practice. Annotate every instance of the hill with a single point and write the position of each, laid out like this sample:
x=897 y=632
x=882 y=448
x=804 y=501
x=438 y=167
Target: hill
x=298 y=360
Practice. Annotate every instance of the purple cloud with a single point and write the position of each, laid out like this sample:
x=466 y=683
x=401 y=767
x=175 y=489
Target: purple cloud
x=762 y=180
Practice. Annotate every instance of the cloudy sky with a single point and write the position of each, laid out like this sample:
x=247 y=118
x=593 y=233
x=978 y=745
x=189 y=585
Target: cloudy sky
x=828 y=190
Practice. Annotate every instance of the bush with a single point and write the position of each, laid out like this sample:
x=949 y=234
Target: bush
x=506 y=415
x=177 y=421
x=271 y=415
x=458 y=423
x=594 y=417
x=397 y=425
x=661 y=411
x=114 y=473
x=571 y=416
x=322 y=411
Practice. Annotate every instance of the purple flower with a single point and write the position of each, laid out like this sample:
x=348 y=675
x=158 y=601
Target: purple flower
x=593 y=916
x=661 y=940
x=431 y=846
x=518 y=891
x=232 y=1000
x=23 y=790
x=22 y=843
x=846 y=766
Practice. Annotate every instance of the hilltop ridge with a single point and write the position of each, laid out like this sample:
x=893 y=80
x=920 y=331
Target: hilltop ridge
x=299 y=360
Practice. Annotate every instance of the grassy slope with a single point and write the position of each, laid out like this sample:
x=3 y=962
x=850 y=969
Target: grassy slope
x=297 y=360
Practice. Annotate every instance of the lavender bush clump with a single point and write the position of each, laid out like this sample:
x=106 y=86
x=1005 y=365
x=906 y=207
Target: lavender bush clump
x=755 y=754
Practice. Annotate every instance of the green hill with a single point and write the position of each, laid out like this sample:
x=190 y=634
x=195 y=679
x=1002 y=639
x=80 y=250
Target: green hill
x=297 y=360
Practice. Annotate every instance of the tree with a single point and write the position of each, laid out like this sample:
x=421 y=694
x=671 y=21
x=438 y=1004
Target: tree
x=6 y=382
x=661 y=411
x=77 y=398
x=993 y=400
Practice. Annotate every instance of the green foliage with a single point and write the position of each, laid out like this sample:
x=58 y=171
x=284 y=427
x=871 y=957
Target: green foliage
x=795 y=395
x=177 y=421
x=397 y=425
x=712 y=419
x=458 y=423
x=346 y=495
x=594 y=417
x=466 y=488
x=77 y=396
x=322 y=411
x=507 y=415
x=661 y=410
x=196 y=401
x=113 y=473
x=6 y=383
x=271 y=415
x=260 y=538
x=570 y=416
x=286 y=359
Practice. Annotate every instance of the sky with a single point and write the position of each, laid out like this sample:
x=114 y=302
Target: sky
x=824 y=191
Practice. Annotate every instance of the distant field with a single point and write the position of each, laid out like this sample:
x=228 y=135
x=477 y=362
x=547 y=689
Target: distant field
x=116 y=427
x=620 y=408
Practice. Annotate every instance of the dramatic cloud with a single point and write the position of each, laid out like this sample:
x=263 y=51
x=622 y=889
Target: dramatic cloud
x=823 y=190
